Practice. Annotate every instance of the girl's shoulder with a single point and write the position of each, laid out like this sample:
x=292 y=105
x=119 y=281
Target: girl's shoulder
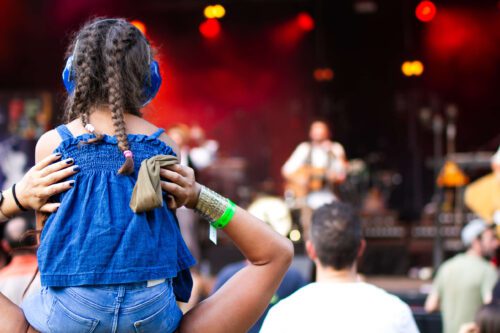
x=140 y=125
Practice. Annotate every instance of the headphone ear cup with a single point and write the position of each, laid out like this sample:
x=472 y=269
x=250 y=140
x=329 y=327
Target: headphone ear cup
x=151 y=89
x=68 y=76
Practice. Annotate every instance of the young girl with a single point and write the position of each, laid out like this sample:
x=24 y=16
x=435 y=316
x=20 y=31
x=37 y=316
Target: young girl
x=103 y=267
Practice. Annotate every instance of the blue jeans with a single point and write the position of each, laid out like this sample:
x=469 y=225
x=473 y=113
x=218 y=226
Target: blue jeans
x=110 y=308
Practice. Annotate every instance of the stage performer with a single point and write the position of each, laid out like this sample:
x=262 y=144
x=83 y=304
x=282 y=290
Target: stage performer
x=312 y=171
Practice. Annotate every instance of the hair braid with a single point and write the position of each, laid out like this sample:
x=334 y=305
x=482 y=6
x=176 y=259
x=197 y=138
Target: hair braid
x=116 y=44
x=85 y=58
x=111 y=67
x=82 y=70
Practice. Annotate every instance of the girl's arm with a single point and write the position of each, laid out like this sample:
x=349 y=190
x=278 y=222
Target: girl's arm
x=239 y=303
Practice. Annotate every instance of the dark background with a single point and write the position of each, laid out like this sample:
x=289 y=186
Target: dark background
x=253 y=87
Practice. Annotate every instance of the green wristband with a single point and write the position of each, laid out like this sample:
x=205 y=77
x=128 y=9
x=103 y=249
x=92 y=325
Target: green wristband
x=224 y=220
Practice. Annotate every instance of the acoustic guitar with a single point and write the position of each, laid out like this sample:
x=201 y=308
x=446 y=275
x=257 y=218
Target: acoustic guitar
x=306 y=180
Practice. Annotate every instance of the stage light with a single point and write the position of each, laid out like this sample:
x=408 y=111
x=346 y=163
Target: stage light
x=140 y=26
x=323 y=74
x=305 y=21
x=219 y=11
x=425 y=11
x=407 y=68
x=295 y=235
x=418 y=68
x=412 y=68
x=215 y=11
x=210 y=28
x=209 y=12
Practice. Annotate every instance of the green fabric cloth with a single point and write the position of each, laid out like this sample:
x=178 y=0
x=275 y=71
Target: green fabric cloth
x=147 y=194
x=462 y=283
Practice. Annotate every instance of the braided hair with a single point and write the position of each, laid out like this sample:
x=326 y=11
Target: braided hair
x=110 y=66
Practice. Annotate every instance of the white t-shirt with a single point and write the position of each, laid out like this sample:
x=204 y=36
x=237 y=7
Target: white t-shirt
x=329 y=307
x=319 y=157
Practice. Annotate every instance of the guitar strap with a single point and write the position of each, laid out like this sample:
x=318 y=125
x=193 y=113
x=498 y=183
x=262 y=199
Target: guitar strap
x=308 y=161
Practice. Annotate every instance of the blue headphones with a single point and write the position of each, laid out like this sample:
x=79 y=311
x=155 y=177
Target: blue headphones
x=149 y=91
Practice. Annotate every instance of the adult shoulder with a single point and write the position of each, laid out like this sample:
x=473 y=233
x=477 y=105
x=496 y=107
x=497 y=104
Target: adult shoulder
x=303 y=146
x=47 y=143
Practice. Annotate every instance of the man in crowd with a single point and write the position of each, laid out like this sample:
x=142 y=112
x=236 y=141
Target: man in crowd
x=338 y=301
x=16 y=276
x=465 y=282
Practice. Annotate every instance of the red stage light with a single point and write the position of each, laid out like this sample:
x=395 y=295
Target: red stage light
x=140 y=26
x=425 y=11
x=305 y=21
x=210 y=28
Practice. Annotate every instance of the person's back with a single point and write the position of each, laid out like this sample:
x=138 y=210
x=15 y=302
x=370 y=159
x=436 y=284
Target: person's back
x=462 y=283
x=104 y=264
x=338 y=302
x=465 y=282
x=95 y=217
x=340 y=307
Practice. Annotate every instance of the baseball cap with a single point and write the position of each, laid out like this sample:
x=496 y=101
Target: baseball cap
x=472 y=230
x=495 y=159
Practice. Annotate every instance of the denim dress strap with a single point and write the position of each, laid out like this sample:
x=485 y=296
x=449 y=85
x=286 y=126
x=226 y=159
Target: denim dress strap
x=157 y=134
x=64 y=132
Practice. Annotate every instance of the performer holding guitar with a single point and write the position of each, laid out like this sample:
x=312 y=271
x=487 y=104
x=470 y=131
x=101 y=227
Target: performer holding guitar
x=313 y=169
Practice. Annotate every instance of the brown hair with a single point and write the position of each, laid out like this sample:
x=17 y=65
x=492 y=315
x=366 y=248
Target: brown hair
x=110 y=67
x=336 y=235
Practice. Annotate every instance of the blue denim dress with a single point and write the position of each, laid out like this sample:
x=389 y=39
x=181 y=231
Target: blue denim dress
x=95 y=239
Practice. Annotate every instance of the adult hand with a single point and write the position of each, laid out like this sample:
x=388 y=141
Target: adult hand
x=42 y=181
x=181 y=185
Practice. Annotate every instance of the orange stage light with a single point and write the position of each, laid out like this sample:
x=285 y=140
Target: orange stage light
x=418 y=68
x=215 y=11
x=412 y=68
x=425 y=11
x=219 y=11
x=140 y=26
x=209 y=12
x=323 y=74
x=210 y=28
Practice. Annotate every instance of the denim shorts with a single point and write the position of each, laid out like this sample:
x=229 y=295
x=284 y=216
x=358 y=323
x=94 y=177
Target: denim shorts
x=109 y=308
